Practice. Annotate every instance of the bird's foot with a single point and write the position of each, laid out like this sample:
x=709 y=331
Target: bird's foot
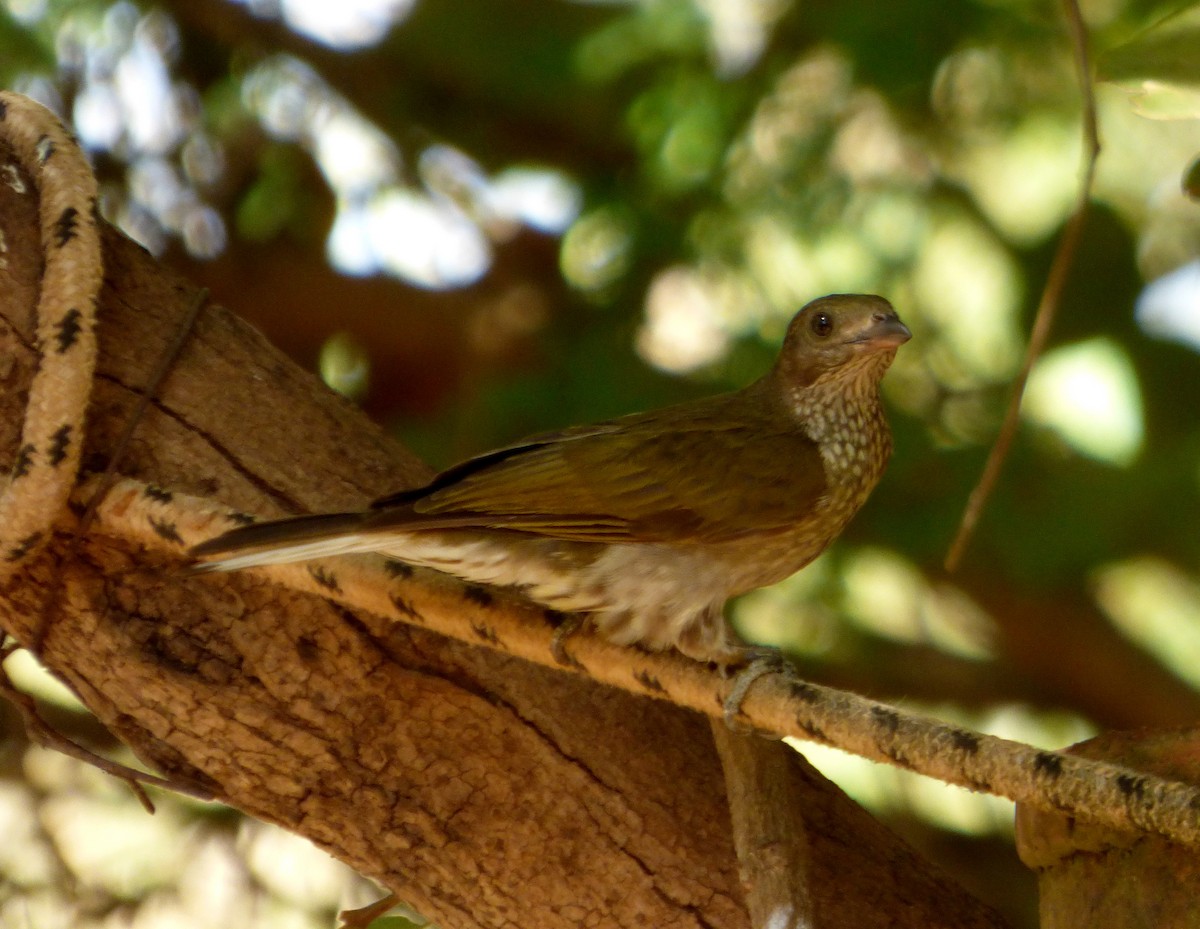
x=568 y=625
x=756 y=663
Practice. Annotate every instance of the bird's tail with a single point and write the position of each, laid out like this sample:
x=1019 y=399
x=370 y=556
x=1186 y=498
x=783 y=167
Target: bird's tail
x=285 y=540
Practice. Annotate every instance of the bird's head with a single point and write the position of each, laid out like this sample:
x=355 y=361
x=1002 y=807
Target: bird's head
x=840 y=335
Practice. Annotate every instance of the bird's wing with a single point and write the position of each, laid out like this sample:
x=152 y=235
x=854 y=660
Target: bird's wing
x=639 y=479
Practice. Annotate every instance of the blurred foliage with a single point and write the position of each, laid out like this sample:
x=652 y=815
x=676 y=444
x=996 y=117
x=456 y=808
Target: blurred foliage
x=581 y=209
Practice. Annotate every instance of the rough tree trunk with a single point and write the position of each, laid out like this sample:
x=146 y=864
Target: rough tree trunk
x=483 y=790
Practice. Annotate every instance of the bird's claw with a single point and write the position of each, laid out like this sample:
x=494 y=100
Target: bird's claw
x=759 y=662
x=571 y=624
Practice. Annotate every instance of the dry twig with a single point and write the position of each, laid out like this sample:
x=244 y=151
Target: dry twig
x=1060 y=269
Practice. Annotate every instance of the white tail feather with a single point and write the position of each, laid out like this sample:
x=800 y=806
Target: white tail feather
x=301 y=551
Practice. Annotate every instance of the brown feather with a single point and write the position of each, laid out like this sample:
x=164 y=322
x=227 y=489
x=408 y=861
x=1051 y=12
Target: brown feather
x=761 y=475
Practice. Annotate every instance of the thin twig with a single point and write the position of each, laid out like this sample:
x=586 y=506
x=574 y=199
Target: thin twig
x=1064 y=259
x=149 y=394
x=42 y=733
x=365 y=915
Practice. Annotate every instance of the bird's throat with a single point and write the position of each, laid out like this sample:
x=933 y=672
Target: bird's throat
x=845 y=417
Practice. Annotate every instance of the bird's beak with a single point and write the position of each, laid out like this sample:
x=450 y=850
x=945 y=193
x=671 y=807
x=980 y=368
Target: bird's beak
x=882 y=332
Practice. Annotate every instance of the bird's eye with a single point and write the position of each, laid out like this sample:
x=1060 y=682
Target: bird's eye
x=822 y=324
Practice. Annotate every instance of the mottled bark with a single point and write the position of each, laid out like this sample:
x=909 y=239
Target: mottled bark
x=483 y=790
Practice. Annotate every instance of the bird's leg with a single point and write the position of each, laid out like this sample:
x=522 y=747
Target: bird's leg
x=710 y=638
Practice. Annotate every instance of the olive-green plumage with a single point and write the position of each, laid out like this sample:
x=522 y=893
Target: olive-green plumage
x=650 y=522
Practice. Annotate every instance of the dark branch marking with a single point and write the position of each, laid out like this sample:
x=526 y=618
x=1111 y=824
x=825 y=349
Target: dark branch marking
x=243 y=519
x=805 y=692
x=157 y=494
x=68 y=328
x=650 y=682
x=485 y=633
x=478 y=595
x=398 y=569
x=24 y=461
x=404 y=608
x=965 y=741
x=324 y=578
x=165 y=529
x=889 y=721
x=1049 y=764
x=59 y=443
x=1132 y=786
x=25 y=546
x=65 y=226
x=886 y=719
x=814 y=732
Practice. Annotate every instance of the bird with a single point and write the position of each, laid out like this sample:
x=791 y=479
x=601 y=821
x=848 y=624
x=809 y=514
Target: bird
x=646 y=525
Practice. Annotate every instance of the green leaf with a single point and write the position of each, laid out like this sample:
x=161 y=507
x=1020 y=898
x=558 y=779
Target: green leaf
x=1167 y=52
